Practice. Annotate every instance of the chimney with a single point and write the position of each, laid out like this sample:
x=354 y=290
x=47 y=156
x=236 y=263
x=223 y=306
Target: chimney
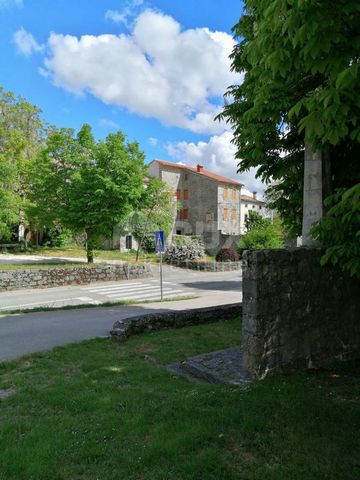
x=254 y=195
x=199 y=168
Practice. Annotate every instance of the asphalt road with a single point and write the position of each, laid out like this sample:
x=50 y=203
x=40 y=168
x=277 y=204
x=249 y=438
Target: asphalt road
x=177 y=282
x=37 y=331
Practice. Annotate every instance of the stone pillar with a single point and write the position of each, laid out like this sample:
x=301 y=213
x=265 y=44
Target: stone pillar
x=297 y=314
x=312 y=194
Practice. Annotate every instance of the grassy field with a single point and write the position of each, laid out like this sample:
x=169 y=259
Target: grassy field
x=108 y=411
x=77 y=252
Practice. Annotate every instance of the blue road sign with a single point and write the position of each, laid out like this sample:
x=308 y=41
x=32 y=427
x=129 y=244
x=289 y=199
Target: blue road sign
x=159 y=241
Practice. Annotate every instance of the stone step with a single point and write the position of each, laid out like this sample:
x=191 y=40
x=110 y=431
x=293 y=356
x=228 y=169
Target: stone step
x=221 y=366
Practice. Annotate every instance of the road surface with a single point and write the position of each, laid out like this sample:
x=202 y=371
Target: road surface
x=37 y=331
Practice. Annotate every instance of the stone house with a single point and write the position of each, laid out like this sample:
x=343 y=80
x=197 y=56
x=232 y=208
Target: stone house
x=209 y=204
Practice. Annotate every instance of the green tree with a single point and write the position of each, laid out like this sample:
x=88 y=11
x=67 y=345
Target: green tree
x=261 y=233
x=255 y=221
x=85 y=185
x=156 y=213
x=300 y=67
x=21 y=136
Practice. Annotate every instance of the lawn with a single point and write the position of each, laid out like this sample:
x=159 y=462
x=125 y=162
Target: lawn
x=77 y=252
x=109 y=411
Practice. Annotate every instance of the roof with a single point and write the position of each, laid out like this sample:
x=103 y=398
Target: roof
x=248 y=198
x=204 y=172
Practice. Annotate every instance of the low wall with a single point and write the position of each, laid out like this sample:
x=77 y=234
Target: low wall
x=60 y=276
x=210 y=266
x=297 y=314
x=124 y=329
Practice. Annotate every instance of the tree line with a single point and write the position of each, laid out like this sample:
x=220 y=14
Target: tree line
x=57 y=177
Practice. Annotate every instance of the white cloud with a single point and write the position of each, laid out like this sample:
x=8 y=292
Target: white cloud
x=109 y=124
x=26 y=43
x=153 y=141
x=10 y=3
x=158 y=71
x=127 y=14
x=218 y=156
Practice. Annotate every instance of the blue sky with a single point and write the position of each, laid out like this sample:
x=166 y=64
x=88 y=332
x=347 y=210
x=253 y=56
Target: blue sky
x=154 y=69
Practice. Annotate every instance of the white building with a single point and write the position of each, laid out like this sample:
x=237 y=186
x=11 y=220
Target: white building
x=251 y=204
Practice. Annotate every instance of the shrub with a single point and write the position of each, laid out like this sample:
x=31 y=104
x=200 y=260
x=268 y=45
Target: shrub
x=257 y=239
x=184 y=248
x=227 y=254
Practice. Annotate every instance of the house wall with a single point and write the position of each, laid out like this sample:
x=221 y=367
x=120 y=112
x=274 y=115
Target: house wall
x=201 y=203
x=230 y=226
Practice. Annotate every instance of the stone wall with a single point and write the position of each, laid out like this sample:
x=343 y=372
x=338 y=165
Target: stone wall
x=127 y=327
x=209 y=266
x=297 y=314
x=60 y=276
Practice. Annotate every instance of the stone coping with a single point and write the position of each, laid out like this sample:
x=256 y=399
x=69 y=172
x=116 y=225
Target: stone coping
x=209 y=266
x=128 y=327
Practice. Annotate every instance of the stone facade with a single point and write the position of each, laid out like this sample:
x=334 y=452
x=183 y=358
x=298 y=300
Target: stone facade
x=60 y=276
x=297 y=314
x=208 y=202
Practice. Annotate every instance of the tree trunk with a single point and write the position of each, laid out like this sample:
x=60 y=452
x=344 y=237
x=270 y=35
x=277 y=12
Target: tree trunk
x=313 y=194
x=89 y=246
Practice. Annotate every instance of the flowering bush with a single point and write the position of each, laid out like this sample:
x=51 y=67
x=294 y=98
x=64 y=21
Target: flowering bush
x=184 y=248
x=227 y=254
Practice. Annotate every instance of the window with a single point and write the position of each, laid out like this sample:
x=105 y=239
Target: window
x=186 y=194
x=233 y=214
x=177 y=194
x=186 y=176
x=184 y=214
x=253 y=206
x=246 y=205
x=178 y=232
x=234 y=194
x=245 y=217
x=260 y=207
x=225 y=193
x=226 y=214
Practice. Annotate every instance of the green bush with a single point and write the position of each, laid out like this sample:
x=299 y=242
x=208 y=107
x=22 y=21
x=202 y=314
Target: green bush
x=184 y=248
x=227 y=254
x=339 y=230
x=267 y=236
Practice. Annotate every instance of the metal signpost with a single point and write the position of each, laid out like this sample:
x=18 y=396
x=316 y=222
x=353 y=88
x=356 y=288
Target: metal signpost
x=128 y=245
x=160 y=248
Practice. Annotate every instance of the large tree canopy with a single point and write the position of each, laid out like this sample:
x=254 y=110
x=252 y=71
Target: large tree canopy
x=21 y=134
x=88 y=186
x=300 y=66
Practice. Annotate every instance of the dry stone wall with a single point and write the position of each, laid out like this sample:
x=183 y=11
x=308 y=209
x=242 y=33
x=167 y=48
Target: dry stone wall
x=209 y=266
x=60 y=276
x=297 y=314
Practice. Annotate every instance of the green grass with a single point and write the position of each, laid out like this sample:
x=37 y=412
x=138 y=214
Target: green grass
x=77 y=252
x=109 y=411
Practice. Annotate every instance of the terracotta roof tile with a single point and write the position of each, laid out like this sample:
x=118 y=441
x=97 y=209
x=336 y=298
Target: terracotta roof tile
x=204 y=172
